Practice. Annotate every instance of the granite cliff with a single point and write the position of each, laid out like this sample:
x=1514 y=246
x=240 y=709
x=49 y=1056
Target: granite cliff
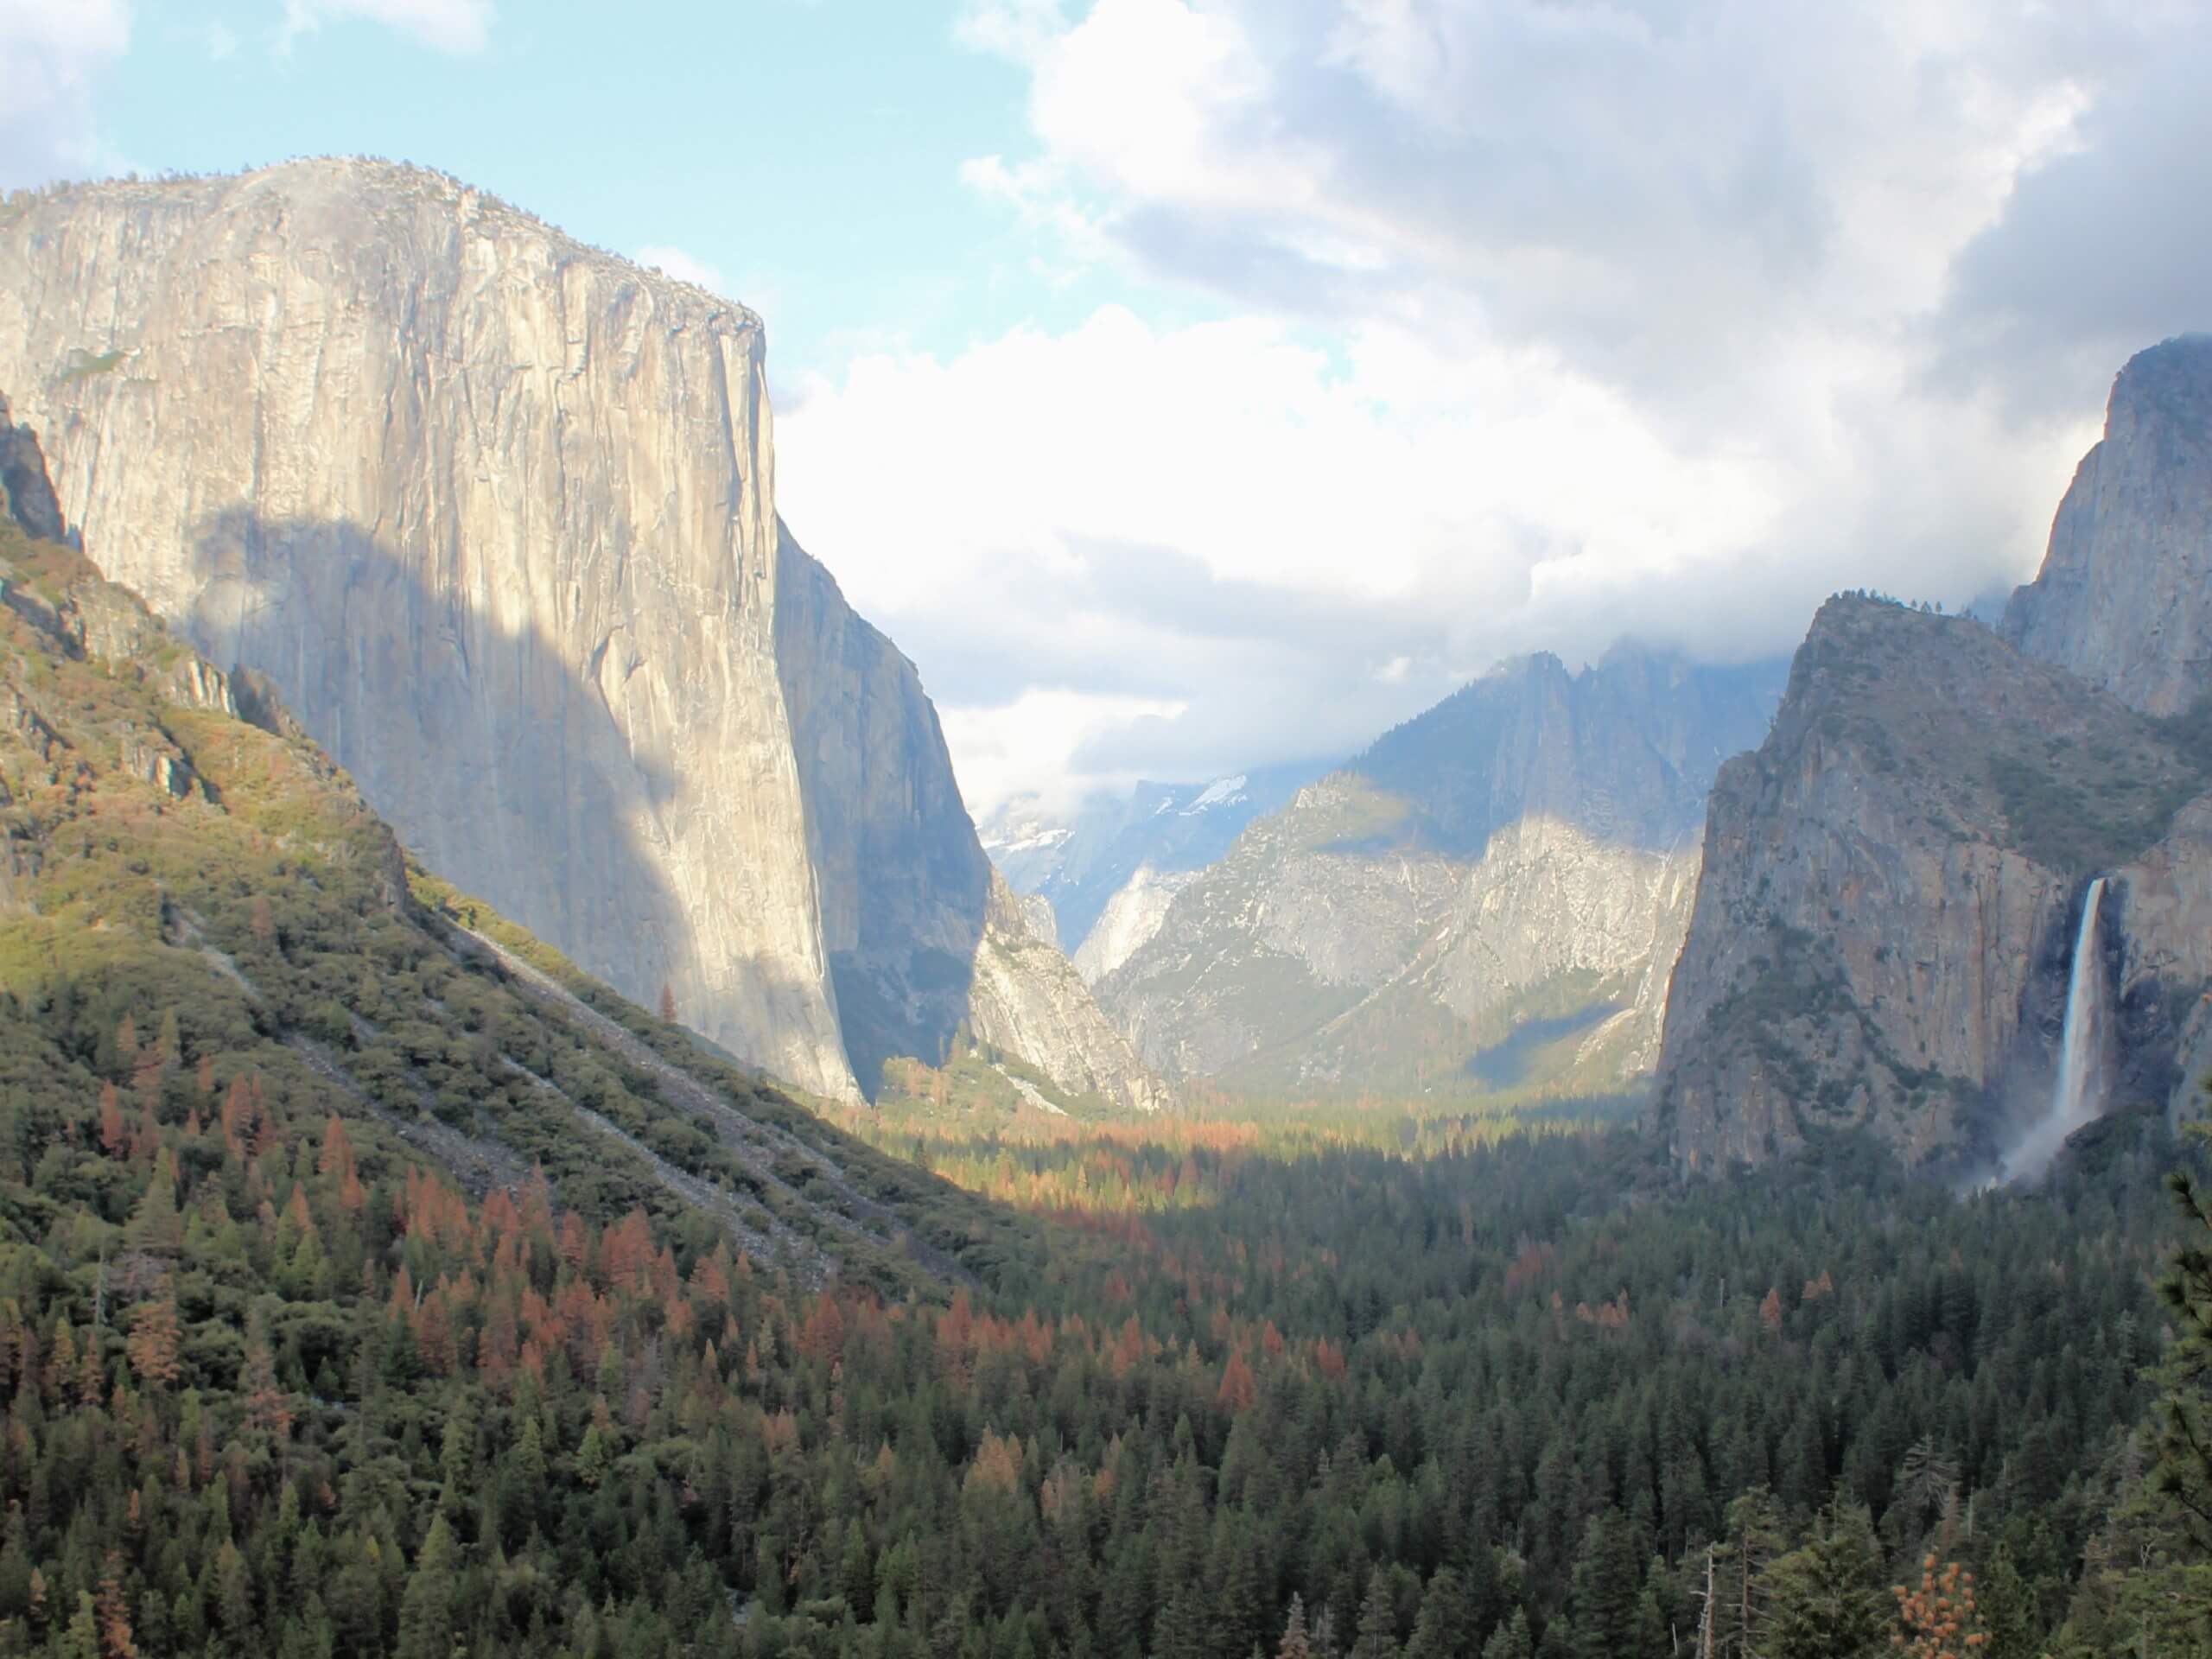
x=1883 y=936
x=1893 y=884
x=1490 y=897
x=2124 y=599
x=495 y=513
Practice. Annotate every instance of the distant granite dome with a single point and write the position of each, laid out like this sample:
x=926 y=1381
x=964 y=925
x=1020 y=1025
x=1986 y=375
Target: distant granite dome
x=495 y=511
x=1106 y=873
x=2124 y=595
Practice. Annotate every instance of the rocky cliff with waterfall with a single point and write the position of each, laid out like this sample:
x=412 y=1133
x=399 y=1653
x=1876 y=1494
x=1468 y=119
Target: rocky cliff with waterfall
x=1490 y=899
x=495 y=512
x=1887 y=937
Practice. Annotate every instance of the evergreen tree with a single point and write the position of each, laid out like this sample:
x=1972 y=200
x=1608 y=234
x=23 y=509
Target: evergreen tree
x=426 y=1624
x=1606 y=1578
x=1826 y=1599
x=1377 y=1637
x=1511 y=1640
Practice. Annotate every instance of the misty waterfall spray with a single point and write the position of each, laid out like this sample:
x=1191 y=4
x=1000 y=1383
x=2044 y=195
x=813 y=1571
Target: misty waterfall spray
x=2075 y=1096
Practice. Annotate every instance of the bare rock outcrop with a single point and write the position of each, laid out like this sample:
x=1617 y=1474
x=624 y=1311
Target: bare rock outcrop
x=2124 y=599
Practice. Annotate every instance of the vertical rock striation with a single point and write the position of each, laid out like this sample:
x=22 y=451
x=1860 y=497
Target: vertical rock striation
x=1892 y=885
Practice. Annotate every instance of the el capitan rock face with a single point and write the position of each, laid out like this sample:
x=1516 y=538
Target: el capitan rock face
x=2124 y=599
x=495 y=512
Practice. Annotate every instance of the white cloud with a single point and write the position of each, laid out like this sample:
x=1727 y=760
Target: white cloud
x=459 y=26
x=50 y=53
x=1039 y=734
x=1547 y=320
x=674 y=262
x=1073 y=533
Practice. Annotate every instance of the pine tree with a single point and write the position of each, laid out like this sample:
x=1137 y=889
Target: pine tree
x=426 y=1608
x=82 y=1639
x=1511 y=1640
x=1377 y=1637
x=113 y=1612
x=1826 y=1600
x=154 y=1340
x=1446 y=1619
x=1604 y=1585
x=156 y=1223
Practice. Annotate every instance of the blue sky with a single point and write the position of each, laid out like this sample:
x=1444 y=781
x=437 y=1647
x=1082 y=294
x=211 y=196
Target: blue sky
x=1189 y=385
x=809 y=153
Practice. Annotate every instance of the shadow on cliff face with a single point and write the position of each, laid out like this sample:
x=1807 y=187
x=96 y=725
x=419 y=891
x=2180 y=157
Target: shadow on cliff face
x=501 y=768
x=905 y=888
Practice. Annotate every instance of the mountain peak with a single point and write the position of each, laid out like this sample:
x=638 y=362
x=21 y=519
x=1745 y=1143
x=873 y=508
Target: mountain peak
x=2170 y=381
x=2124 y=598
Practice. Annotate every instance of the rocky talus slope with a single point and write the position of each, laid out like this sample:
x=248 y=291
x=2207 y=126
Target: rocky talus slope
x=1491 y=898
x=495 y=513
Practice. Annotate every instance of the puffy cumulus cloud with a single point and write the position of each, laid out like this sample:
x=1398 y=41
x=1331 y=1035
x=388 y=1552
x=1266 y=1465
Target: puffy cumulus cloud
x=1126 y=551
x=1663 y=192
x=51 y=53
x=2102 y=250
x=460 y=26
x=1546 y=321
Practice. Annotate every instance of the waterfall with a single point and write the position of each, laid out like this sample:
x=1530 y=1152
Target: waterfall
x=2075 y=1096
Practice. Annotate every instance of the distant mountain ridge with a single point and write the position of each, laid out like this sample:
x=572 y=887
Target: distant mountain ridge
x=1519 y=858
